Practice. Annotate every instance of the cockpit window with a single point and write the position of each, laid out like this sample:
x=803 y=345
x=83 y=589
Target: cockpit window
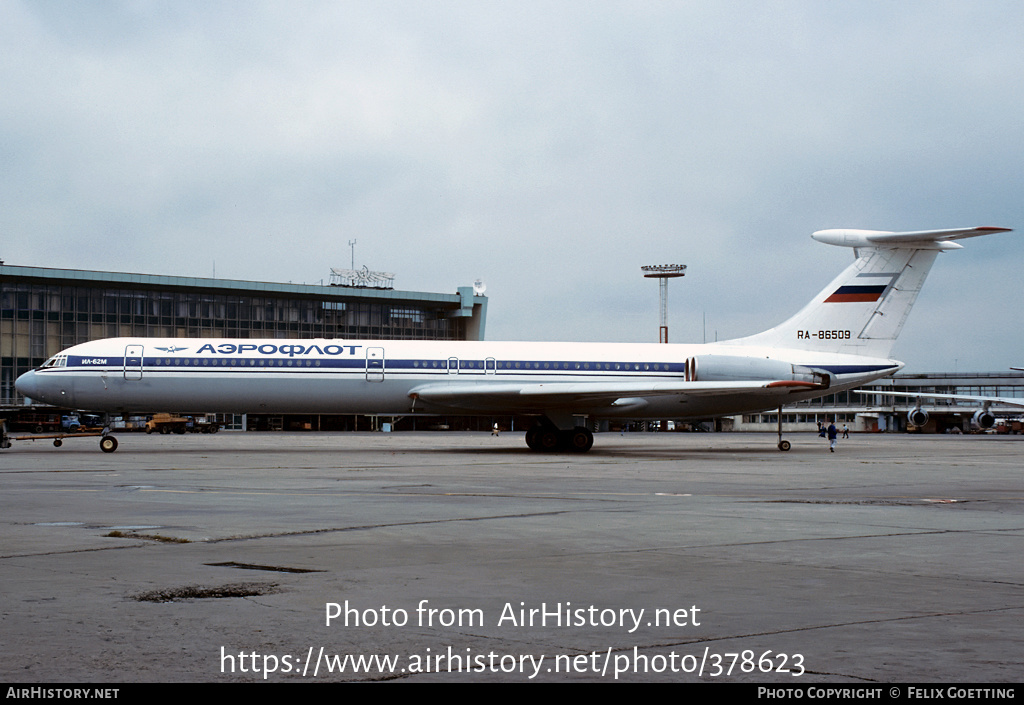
x=56 y=361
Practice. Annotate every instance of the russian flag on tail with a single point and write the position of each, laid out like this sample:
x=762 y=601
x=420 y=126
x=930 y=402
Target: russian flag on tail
x=859 y=294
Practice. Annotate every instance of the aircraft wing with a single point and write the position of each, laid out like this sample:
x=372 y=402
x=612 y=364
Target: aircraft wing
x=556 y=395
x=1010 y=401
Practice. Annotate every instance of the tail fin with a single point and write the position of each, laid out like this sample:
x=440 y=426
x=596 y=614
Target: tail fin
x=862 y=311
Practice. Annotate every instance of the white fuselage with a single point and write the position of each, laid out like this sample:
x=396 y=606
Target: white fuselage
x=385 y=377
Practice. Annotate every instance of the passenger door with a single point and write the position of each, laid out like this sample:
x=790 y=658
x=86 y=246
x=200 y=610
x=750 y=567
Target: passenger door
x=133 y=362
x=374 y=364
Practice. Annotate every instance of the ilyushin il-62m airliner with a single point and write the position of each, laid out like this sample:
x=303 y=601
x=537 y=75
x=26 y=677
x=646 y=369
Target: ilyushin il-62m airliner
x=840 y=340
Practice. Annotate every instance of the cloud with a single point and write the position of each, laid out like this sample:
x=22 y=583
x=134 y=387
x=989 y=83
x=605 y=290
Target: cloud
x=550 y=148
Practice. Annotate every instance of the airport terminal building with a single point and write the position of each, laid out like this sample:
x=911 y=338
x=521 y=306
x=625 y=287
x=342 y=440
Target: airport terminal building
x=43 y=311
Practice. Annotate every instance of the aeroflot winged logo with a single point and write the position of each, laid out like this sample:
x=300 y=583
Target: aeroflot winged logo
x=171 y=349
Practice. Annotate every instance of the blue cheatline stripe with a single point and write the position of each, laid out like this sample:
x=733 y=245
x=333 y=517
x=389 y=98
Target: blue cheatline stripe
x=502 y=367
x=853 y=369
x=417 y=365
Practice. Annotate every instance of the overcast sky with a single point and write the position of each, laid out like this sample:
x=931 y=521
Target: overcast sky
x=548 y=148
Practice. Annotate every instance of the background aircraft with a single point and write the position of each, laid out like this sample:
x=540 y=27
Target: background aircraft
x=982 y=418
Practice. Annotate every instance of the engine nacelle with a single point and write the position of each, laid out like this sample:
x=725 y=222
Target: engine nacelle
x=983 y=418
x=917 y=416
x=731 y=368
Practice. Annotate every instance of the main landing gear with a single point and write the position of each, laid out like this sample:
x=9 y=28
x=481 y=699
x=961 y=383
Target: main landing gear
x=548 y=438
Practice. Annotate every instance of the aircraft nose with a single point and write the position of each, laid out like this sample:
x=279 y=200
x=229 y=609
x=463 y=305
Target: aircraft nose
x=28 y=385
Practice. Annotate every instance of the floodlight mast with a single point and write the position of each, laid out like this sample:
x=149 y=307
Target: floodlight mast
x=663 y=272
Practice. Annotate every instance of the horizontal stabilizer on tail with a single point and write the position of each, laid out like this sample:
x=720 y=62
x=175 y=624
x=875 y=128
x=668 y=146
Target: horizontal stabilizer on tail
x=915 y=239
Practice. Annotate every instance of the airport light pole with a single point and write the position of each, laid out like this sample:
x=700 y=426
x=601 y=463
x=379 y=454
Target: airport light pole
x=663 y=272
